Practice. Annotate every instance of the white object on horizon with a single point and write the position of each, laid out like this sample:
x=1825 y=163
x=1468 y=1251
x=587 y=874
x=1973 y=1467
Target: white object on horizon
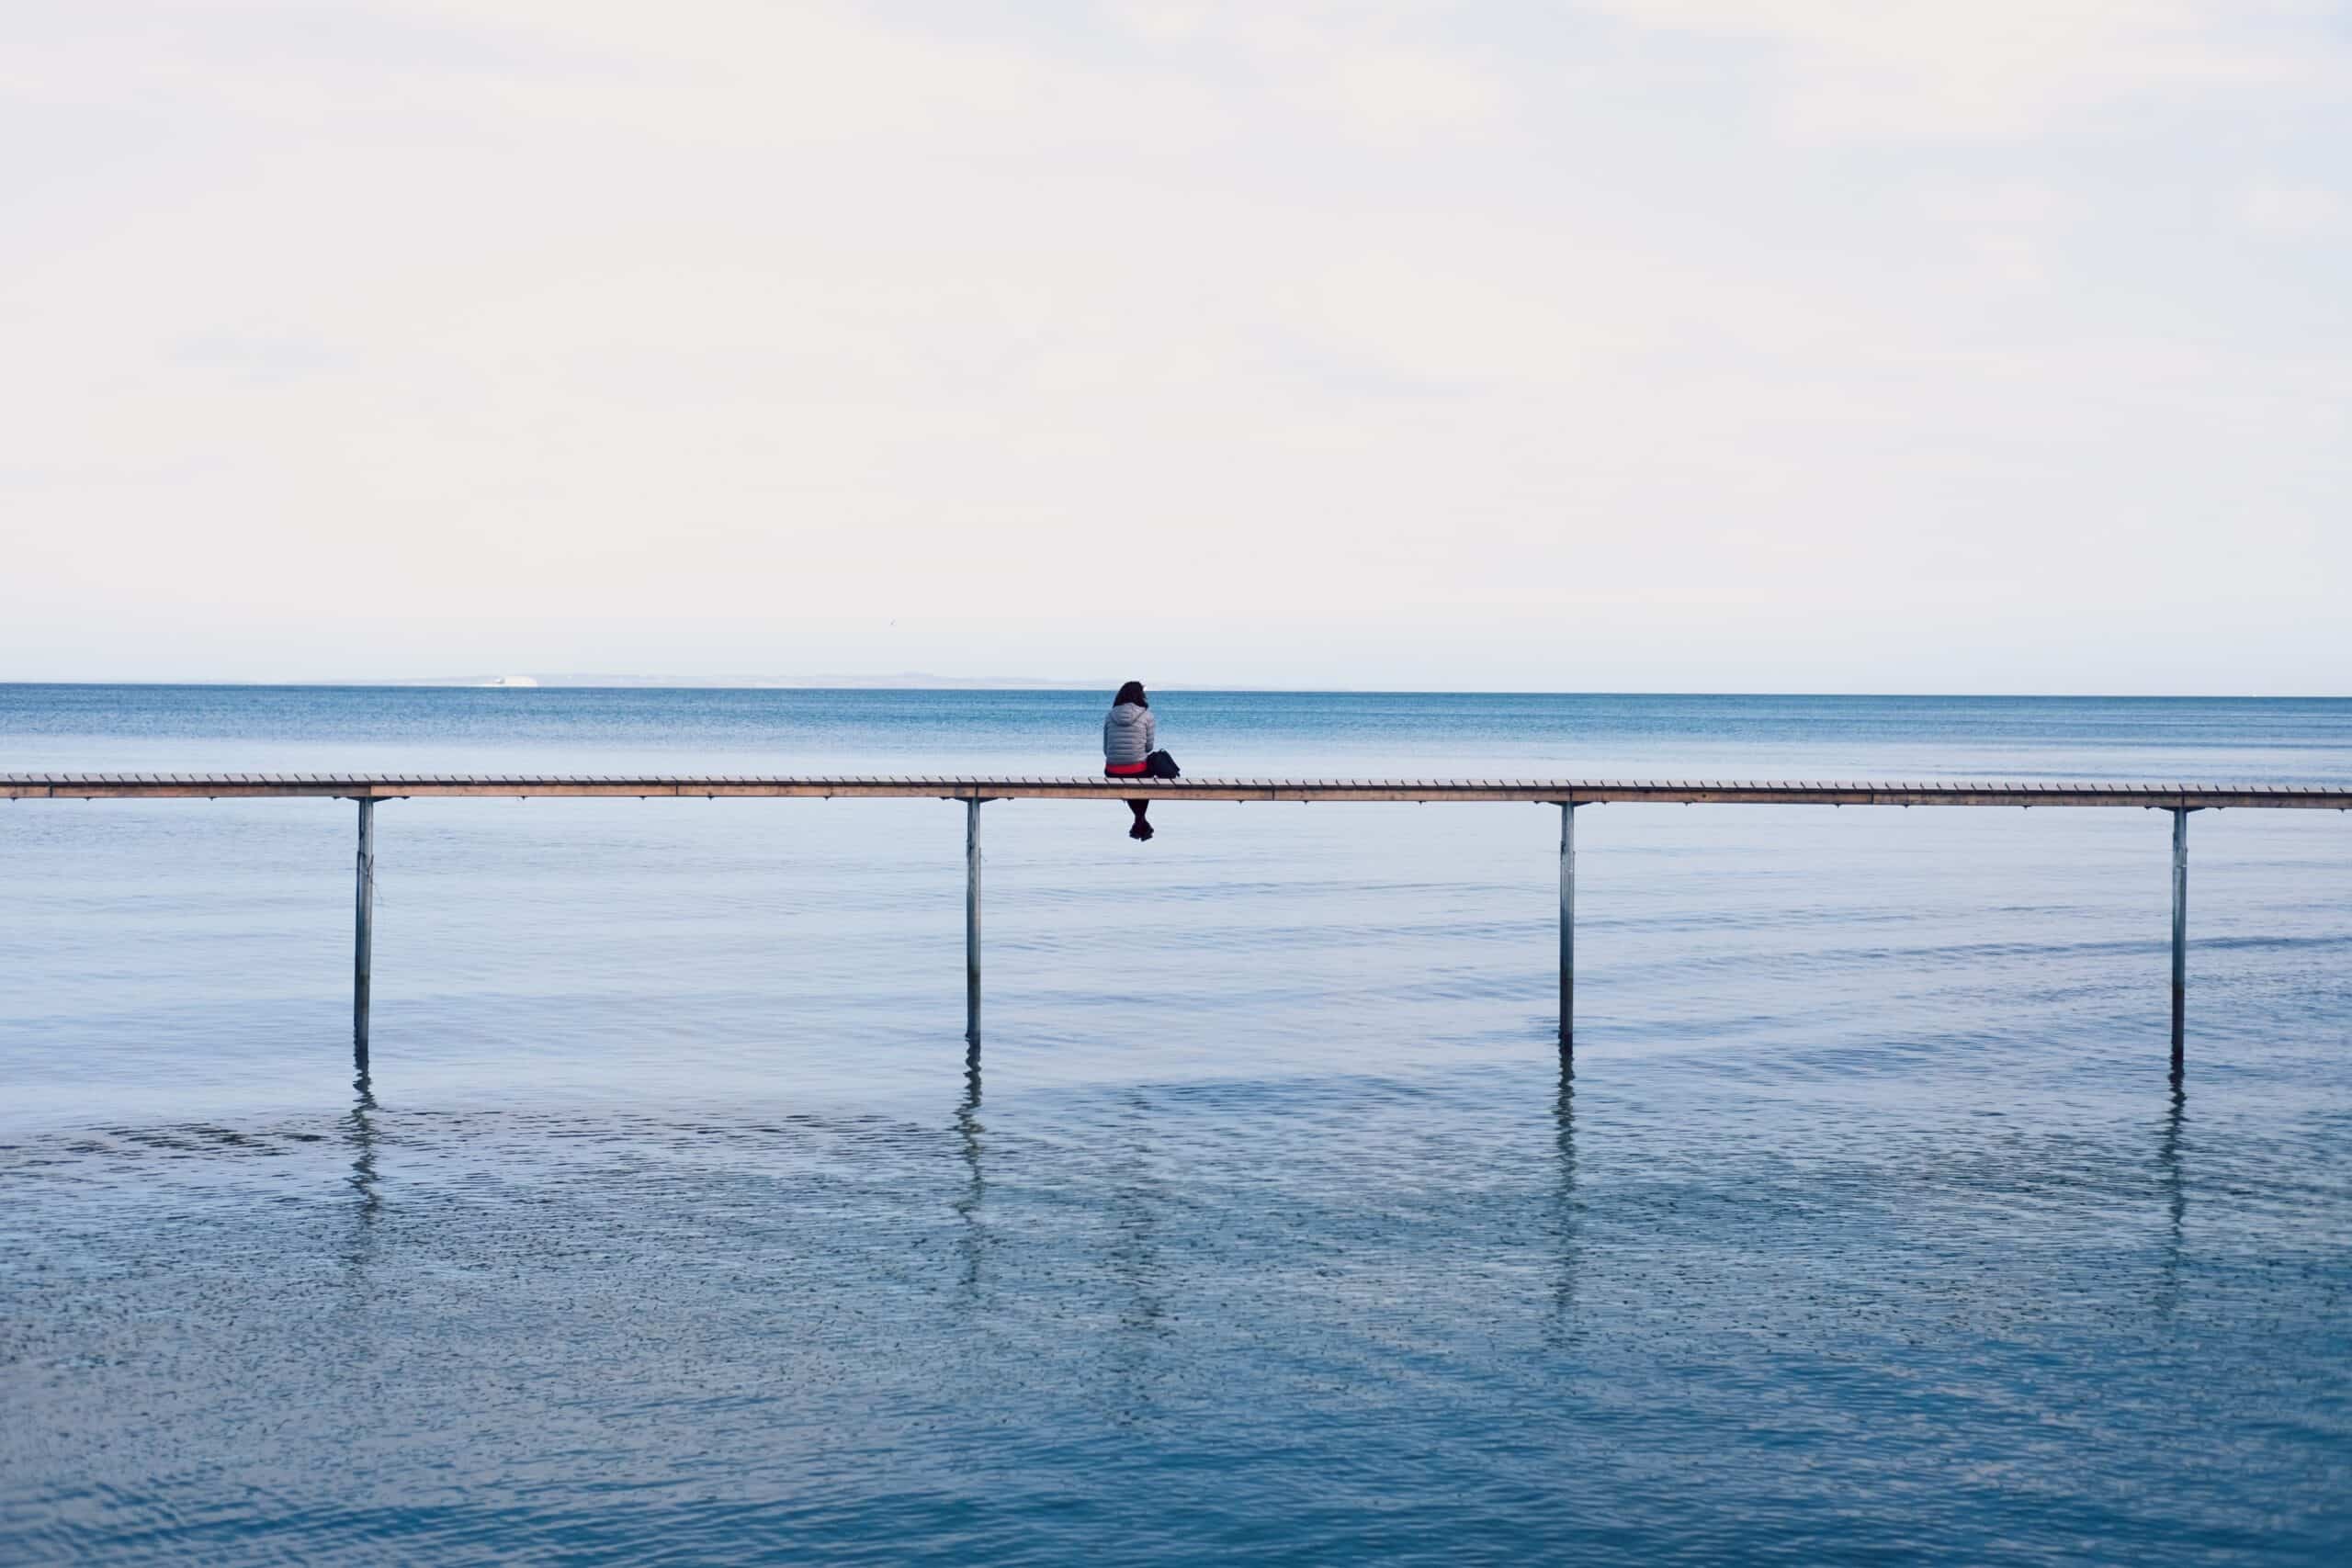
x=511 y=680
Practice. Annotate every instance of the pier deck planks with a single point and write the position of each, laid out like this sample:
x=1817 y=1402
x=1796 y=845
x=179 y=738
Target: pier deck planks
x=965 y=787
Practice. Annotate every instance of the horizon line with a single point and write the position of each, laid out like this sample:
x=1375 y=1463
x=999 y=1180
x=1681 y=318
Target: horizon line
x=951 y=686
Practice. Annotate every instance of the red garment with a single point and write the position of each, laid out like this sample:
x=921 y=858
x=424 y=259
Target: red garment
x=1124 y=770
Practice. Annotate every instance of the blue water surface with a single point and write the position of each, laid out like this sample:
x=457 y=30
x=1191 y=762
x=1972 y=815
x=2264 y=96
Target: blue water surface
x=673 y=1221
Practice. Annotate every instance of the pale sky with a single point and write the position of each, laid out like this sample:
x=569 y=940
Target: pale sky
x=1633 y=345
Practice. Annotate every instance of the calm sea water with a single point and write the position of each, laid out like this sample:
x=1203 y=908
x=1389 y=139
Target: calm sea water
x=672 y=1223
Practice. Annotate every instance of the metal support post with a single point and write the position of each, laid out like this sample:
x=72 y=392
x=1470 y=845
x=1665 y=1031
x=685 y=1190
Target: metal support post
x=364 y=930
x=2179 y=932
x=972 y=920
x=1568 y=924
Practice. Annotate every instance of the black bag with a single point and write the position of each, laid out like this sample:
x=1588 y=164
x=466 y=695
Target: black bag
x=1160 y=765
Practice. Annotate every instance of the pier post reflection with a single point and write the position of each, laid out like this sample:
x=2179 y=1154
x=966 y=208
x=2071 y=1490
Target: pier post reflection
x=2176 y=1188
x=1564 y=1220
x=1136 y=1268
x=972 y=1243
x=360 y=1137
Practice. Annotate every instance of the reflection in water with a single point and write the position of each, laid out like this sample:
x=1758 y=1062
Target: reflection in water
x=360 y=1133
x=1134 y=1214
x=362 y=1137
x=973 y=1242
x=2168 y=1171
x=1564 y=1135
x=359 y=1250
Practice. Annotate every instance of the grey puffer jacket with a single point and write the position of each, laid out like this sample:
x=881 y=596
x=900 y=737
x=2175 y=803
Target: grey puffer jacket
x=1128 y=736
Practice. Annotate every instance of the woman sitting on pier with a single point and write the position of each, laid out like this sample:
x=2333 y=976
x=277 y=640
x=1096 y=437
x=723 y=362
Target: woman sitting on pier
x=1129 y=738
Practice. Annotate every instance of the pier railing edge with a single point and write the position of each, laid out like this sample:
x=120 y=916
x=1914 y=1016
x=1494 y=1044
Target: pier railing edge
x=1582 y=791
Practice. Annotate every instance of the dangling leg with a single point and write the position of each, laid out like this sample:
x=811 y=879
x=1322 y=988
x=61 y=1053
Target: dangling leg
x=1142 y=828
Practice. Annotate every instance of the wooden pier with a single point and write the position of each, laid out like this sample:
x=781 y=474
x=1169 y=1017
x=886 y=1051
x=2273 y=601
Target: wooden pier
x=974 y=791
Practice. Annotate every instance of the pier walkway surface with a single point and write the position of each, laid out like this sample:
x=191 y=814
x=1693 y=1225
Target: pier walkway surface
x=975 y=790
x=966 y=786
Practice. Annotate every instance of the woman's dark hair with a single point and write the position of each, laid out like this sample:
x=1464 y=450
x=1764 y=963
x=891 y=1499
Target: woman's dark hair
x=1131 y=693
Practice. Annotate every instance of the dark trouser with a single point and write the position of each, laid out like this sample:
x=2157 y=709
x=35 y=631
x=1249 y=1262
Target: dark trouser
x=1128 y=771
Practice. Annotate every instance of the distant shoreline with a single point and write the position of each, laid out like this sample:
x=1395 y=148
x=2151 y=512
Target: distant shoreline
x=590 y=683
